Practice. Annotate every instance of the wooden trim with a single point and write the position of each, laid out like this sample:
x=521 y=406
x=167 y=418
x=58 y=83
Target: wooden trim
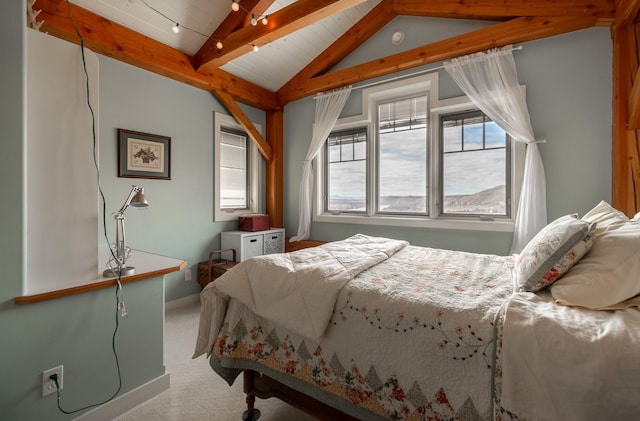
x=495 y=10
x=232 y=22
x=285 y=21
x=299 y=245
x=498 y=35
x=245 y=122
x=625 y=188
x=275 y=168
x=634 y=103
x=627 y=11
x=113 y=40
x=264 y=387
x=30 y=299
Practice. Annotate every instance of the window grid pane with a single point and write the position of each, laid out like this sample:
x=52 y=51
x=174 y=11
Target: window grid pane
x=234 y=174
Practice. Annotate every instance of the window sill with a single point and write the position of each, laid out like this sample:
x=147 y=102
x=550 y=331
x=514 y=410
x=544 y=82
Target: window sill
x=442 y=223
x=148 y=265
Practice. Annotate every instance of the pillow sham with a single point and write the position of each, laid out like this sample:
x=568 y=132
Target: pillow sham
x=609 y=276
x=552 y=252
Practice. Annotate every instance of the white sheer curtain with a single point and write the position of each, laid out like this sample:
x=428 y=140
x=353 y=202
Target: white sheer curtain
x=490 y=80
x=328 y=108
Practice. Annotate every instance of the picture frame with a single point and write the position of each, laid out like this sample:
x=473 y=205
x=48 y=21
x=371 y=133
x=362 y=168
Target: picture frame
x=143 y=155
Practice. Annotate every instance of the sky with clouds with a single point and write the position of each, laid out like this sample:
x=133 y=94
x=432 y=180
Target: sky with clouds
x=403 y=169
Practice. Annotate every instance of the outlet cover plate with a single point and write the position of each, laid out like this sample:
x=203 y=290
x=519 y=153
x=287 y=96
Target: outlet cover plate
x=48 y=385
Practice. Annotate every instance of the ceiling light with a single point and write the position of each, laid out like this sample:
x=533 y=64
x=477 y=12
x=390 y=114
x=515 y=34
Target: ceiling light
x=397 y=37
x=176 y=28
x=219 y=45
x=255 y=48
x=254 y=22
x=235 y=6
x=265 y=21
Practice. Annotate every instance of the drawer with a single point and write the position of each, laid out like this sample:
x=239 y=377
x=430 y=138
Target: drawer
x=273 y=243
x=252 y=245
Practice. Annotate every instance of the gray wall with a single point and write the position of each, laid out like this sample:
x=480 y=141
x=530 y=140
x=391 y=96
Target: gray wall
x=568 y=82
x=74 y=331
x=179 y=220
x=569 y=85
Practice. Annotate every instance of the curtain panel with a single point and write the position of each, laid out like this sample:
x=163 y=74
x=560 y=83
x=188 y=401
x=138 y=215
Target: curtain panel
x=490 y=80
x=328 y=109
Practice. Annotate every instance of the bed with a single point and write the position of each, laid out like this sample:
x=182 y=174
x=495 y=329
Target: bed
x=371 y=328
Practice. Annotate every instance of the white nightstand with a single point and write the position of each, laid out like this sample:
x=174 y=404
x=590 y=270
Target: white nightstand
x=252 y=243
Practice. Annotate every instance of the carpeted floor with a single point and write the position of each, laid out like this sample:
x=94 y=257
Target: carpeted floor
x=196 y=392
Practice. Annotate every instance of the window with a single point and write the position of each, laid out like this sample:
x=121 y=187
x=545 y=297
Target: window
x=234 y=169
x=402 y=156
x=347 y=171
x=238 y=169
x=475 y=168
x=411 y=159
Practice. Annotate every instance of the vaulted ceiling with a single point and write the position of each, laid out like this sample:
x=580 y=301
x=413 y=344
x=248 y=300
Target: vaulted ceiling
x=302 y=41
x=305 y=39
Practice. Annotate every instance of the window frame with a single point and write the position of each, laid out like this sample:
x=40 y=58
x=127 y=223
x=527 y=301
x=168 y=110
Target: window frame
x=326 y=163
x=440 y=180
x=436 y=107
x=255 y=166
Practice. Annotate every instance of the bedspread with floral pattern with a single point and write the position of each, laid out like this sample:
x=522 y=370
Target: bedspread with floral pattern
x=412 y=338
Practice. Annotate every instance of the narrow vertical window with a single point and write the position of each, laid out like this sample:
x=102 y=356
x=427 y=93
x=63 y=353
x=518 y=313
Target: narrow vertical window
x=475 y=166
x=402 y=156
x=346 y=171
x=234 y=171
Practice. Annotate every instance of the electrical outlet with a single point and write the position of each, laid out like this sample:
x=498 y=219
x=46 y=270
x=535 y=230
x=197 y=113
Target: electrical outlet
x=187 y=275
x=48 y=385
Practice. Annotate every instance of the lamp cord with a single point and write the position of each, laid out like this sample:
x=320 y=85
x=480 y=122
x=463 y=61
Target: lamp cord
x=115 y=354
x=119 y=294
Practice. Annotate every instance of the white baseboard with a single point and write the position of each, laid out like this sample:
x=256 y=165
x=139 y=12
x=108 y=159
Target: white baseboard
x=127 y=401
x=189 y=299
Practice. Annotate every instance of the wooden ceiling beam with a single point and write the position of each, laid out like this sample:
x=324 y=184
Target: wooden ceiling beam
x=285 y=21
x=505 y=9
x=257 y=10
x=232 y=22
x=498 y=35
x=113 y=40
x=245 y=122
x=627 y=12
x=364 y=29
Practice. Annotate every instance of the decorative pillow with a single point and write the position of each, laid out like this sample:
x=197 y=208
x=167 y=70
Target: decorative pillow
x=610 y=273
x=552 y=252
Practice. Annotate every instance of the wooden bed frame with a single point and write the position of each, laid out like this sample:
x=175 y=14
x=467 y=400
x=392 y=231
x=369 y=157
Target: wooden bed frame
x=262 y=386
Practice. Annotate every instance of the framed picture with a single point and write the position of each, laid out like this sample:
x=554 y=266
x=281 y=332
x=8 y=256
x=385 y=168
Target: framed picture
x=143 y=155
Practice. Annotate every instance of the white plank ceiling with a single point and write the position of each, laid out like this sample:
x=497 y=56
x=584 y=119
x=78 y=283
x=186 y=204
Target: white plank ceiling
x=270 y=67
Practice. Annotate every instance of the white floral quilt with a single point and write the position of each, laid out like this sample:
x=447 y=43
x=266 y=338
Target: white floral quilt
x=410 y=338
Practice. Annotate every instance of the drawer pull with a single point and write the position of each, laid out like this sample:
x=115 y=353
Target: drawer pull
x=253 y=240
x=274 y=237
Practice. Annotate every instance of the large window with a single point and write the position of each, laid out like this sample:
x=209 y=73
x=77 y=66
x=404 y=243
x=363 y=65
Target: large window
x=413 y=160
x=238 y=168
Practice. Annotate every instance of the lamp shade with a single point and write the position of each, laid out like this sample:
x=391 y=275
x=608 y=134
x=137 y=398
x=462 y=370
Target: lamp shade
x=139 y=200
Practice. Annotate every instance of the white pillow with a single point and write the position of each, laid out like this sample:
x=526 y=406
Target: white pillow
x=552 y=252
x=610 y=273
